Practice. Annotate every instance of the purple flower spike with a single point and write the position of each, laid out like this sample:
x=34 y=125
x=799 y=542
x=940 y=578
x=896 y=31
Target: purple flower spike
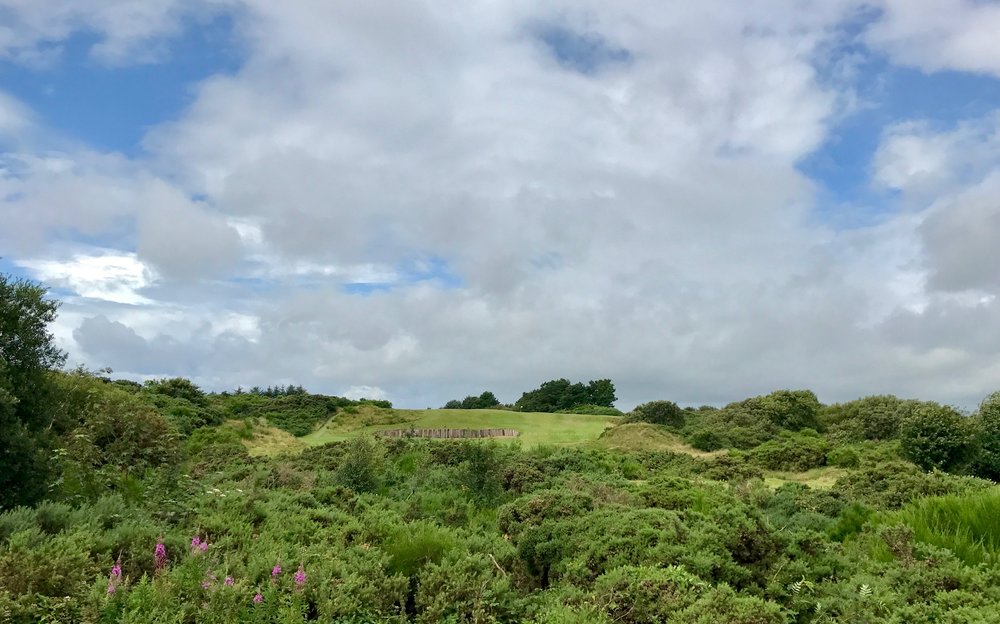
x=160 y=556
x=275 y=571
x=203 y=546
x=257 y=599
x=229 y=581
x=300 y=576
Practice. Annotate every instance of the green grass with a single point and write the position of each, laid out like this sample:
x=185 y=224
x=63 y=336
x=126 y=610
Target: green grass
x=647 y=437
x=967 y=525
x=818 y=478
x=535 y=428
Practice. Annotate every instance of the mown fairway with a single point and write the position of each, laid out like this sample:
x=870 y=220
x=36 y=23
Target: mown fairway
x=535 y=428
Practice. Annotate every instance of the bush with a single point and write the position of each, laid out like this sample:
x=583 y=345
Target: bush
x=843 y=457
x=595 y=410
x=870 y=418
x=643 y=594
x=798 y=454
x=363 y=465
x=987 y=462
x=659 y=413
x=936 y=437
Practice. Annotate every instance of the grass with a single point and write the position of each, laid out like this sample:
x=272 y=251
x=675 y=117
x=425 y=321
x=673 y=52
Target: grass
x=647 y=437
x=818 y=478
x=968 y=525
x=535 y=428
x=270 y=441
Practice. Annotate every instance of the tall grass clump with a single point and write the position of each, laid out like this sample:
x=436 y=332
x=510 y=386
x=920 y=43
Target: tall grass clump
x=967 y=525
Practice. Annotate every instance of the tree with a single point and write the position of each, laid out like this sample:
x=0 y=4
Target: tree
x=601 y=393
x=560 y=394
x=485 y=400
x=28 y=427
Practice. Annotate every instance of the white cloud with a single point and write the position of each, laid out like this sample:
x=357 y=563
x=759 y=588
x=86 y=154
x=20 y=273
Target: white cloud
x=937 y=35
x=645 y=221
x=365 y=392
x=106 y=275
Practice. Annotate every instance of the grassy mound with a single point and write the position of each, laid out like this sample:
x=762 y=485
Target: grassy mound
x=647 y=437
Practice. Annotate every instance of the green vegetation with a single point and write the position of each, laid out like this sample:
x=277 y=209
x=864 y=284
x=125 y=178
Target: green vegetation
x=560 y=394
x=534 y=428
x=486 y=400
x=158 y=502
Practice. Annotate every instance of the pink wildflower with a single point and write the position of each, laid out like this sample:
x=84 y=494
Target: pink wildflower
x=195 y=542
x=300 y=576
x=275 y=571
x=206 y=584
x=160 y=555
x=258 y=598
x=203 y=546
x=115 y=577
x=229 y=581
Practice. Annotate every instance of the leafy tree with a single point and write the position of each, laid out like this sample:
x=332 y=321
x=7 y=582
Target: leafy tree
x=936 y=436
x=485 y=400
x=560 y=394
x=28 y=427
x=601 y=393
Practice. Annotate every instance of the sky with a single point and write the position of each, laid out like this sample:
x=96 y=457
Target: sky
x=423 y=200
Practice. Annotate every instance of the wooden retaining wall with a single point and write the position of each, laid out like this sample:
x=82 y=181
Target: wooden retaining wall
x=449 y=433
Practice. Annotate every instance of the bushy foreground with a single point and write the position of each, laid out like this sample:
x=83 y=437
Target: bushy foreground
x=446 y=531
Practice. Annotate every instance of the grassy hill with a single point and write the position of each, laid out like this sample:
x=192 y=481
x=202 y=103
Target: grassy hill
x=535 y=428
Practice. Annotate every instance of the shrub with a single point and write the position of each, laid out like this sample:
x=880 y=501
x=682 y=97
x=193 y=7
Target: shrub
x=869 y=418
x=722 y=604
x=843 y=457
x=659 y=413
x=643 y=594
x=363 y=465
x=987 y=462
x=890 y=485
x=595 y=410
x=935 y=436
x=797 y=453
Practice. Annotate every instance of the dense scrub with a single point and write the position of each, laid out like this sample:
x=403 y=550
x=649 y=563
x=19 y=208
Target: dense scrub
x=183 y=528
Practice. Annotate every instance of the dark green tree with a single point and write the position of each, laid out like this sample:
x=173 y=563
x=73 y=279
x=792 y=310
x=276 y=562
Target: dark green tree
x=29 y=427
x=601 y=393
x=560 y=394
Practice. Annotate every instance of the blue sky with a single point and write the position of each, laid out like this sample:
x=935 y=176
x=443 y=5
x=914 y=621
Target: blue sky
x=112 y=107
x=249 y=193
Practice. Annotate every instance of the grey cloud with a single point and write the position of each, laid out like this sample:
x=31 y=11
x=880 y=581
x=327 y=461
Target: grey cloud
x=960 y=237
x=182 y=239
